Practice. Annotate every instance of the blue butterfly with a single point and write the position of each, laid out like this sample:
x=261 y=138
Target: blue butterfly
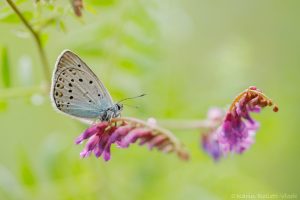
x=78 y=92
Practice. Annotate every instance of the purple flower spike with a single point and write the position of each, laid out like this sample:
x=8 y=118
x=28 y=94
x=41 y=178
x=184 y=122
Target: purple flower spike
x=90 y=146
x=237 y=129
x=133 y=135
x=91 y=131
x=211 y=146
x=123 y=132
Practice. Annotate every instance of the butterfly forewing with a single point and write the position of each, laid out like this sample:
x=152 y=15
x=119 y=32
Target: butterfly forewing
x=76 y=90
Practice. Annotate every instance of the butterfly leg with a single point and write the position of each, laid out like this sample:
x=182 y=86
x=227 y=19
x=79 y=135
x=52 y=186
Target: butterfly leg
x=104 y=116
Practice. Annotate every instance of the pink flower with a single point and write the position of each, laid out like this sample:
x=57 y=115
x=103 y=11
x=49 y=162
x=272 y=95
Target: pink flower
x=125 y=131
x=211 y=145
x=237 y=130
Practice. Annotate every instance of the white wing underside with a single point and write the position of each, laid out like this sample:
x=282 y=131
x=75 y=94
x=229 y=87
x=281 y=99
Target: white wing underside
x=76 y=90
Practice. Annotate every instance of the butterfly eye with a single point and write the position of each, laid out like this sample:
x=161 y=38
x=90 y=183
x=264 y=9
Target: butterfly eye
x=119 y=106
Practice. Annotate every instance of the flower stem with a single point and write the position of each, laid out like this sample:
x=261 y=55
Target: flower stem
x=187 y=124
x=36 y=36
x=176 y=124
x=155 y=128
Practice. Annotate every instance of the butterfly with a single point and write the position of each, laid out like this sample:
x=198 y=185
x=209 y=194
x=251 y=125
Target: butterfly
x=77 y=91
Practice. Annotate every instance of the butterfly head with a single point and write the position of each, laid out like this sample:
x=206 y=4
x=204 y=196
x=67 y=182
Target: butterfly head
x=118 y=108
x=112 y=112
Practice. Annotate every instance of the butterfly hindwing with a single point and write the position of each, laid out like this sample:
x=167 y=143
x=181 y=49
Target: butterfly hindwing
x=76 y=90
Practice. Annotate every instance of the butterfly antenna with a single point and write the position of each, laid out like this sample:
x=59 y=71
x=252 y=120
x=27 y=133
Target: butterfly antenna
x=136 y=107
x=141 y=95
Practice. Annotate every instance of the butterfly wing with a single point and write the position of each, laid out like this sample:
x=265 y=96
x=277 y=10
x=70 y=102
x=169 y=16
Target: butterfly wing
x=76 y=90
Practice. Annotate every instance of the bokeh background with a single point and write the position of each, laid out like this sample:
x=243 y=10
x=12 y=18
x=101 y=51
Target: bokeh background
x=187 y=56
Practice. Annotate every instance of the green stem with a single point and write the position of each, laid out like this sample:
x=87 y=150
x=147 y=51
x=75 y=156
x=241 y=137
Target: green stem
x=36 y=36
x=180 y=124
x=175 y=123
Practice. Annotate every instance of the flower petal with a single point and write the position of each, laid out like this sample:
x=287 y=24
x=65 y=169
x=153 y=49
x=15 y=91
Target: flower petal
x=98 y=128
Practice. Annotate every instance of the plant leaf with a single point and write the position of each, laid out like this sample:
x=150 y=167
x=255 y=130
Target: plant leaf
x=5 y=71
x=27 y=174
x=10 y=17
x=3 y=106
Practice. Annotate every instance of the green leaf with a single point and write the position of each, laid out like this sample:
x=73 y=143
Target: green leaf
x=27 y=174
x=41 y=24
x=8 y=17
x=62 y=26
x=101 y=3
x=5 y=71
x=3 y=106
x=19 y=2
x=11 y=17
x=44 y=38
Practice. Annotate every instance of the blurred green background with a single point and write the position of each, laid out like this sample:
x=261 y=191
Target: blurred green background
x=187 y=56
